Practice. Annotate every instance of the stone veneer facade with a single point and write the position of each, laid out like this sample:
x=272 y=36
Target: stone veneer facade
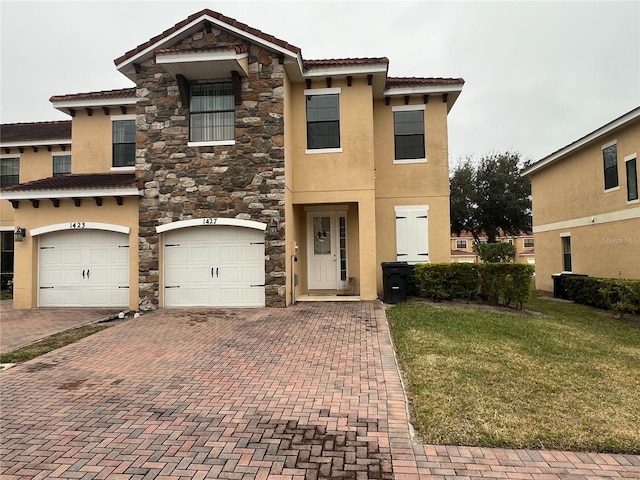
x=244 y=181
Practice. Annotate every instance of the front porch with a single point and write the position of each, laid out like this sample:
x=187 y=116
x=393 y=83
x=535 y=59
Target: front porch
x=332 y=257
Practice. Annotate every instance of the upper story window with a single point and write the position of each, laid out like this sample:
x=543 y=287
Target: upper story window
x=408 y=128
x=461 y=244
x=124 y=142
x=323 y=118
x=610 y=159
x=528 y=243
x=61 y=164
x=631 y=167
x=9 y=171
x=212 y=116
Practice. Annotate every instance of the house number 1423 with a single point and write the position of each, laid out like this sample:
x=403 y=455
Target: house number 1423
x=77 y=225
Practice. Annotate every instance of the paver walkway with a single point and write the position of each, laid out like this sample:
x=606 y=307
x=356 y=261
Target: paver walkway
x=307 y=392
x=23 y=327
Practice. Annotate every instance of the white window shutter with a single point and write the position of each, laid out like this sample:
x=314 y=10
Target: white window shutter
x=412 y=233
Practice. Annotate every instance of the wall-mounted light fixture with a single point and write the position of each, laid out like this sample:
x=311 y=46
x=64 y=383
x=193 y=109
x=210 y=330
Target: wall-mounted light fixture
x=19 y=234
x=274 y=226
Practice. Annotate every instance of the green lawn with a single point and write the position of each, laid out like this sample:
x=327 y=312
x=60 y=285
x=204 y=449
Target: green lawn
x=53 y=342
x=568 y=379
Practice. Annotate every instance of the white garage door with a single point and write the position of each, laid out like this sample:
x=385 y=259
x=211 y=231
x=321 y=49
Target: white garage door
x=214 y=266
x=84 y=268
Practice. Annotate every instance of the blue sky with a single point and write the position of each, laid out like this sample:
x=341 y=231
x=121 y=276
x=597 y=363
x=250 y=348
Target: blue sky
x=538 y=75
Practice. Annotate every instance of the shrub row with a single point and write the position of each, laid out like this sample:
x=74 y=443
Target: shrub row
x=497 y=283
x=620 y=295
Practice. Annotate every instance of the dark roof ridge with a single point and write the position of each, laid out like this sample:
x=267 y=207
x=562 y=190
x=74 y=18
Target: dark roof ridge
x=43 y=122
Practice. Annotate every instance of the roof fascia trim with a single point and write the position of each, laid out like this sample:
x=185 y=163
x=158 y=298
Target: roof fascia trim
x=106 y=102
x=197 y=222
x=456 y=88
x=70 y=193
x=36 y=143
x=581 y=142
x=344 y=70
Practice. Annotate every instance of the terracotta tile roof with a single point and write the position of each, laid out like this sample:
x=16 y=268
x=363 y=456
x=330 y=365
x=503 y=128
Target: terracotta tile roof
x=103 y=95
x=27 y=132
x=531 y=251
x=462 y=253
x=339 y=62
x=77 y=181
x=421 y=82
x=218 y=16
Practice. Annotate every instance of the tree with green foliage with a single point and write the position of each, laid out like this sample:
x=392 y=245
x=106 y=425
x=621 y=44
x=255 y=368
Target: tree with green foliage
x=498 y=252
x=489 y=196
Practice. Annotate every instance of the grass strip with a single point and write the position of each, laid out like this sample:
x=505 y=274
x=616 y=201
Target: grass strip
x=48 y=344
x=568 y=379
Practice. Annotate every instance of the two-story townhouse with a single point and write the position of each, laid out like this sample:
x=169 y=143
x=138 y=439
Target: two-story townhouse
x=27 y=151
x=261 y=178
x=586 y=212
x=462 y=247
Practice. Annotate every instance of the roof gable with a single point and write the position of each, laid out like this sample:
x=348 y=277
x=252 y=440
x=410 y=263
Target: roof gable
x=606 y=129
x=204 y=19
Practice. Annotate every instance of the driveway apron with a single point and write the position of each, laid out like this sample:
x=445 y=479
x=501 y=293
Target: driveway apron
x=307 y=392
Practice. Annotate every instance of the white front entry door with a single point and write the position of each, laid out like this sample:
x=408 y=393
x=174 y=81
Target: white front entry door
x=214 y=266
x=322 y=241
x=84 y=268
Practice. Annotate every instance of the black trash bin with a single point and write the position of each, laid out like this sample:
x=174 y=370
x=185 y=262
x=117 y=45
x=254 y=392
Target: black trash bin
x=394 y=281
x=559 y=285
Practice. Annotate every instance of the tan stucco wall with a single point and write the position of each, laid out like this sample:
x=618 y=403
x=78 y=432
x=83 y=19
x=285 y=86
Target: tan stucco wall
x=291 y=225
x=430 y=179
x=26 y=252
x=569 y=197
x=412 y=183
x=574 y=186
x=91 y=138
x=352 y=169
x=609 y=250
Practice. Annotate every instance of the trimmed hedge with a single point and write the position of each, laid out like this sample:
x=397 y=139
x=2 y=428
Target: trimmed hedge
x=497 y=283
x=620 y=295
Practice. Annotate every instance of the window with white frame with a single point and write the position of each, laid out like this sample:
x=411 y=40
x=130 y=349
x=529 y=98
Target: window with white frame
x=9 y=171
x=409 y=136
x=528 y=243
x=323 y=118
x=412 y=233
x=461 y=244
x=123 y=141
x=631 y=168
x=61 y=164
x=610 y=160
x=212 y=115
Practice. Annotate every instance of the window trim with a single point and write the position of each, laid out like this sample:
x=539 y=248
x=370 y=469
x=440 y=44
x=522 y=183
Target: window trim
x=60 y=154
x=119 y=118
x=210 y=143
x=318 y=92
x=563 y=240
x=627 y=159
x=10 y=157
x=524 y=242
x=458 y=240
x=409 y=108
x=604 y=168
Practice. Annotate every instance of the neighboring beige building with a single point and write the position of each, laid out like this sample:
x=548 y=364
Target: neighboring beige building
x=586 y=212
x=234 y=173
x=462 y=247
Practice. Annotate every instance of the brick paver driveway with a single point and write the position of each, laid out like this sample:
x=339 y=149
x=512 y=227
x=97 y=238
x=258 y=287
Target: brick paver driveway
x=311 y=391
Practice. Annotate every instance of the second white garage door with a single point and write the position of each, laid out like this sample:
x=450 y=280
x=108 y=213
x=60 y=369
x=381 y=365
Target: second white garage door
x=214 y=266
